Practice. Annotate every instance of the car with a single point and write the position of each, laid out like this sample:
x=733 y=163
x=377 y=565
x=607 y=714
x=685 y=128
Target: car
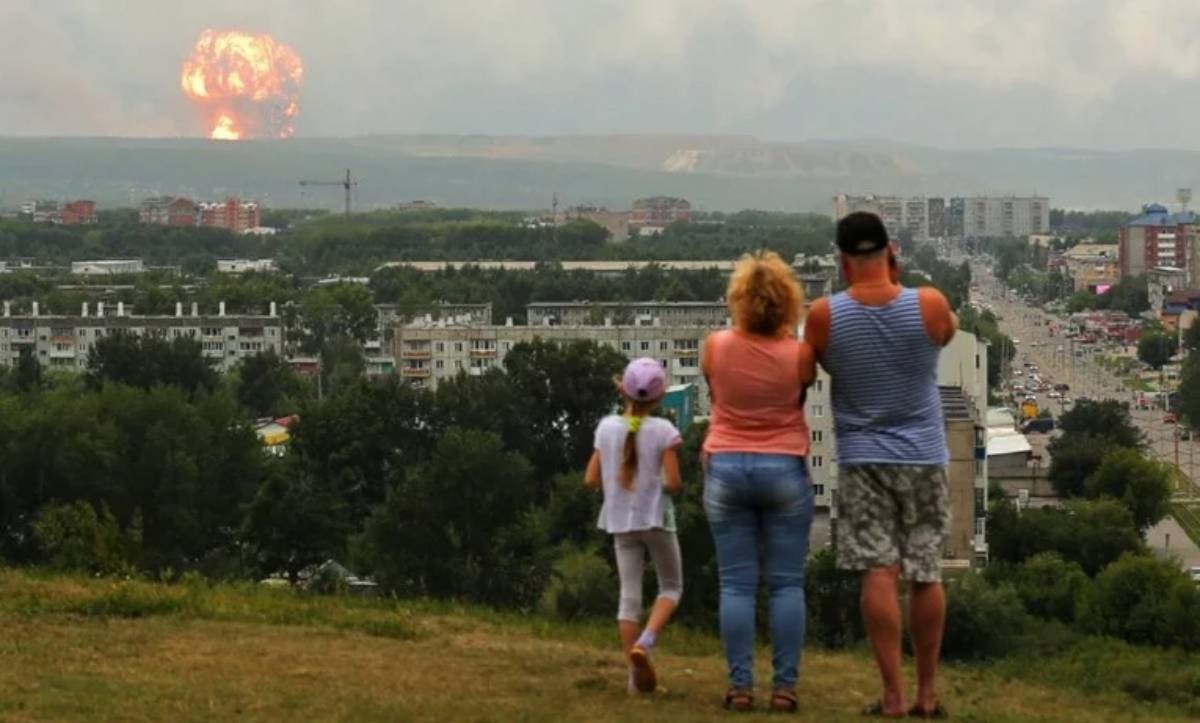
x=1055 y=395
x=1170 y=419
x=1043 y=425
x=1060 y=387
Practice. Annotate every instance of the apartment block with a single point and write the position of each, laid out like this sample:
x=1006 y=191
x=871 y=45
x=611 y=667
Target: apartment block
x=994 y=216
x=658 y=212
x=107 y=267
x=244 y=266
x=169 y=211
x=1157 y=237
x=900 y=215
x=713 y=314
x=429 y=353
x=63 y=341
x=232 y=214
x=70 y=213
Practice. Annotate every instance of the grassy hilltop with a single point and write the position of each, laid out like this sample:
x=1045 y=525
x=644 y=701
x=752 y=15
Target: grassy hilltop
x=84 y=649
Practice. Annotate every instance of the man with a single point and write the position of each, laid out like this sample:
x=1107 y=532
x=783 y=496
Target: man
x=880 y=343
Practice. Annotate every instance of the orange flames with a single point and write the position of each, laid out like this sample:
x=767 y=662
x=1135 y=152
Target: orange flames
x=246 y=85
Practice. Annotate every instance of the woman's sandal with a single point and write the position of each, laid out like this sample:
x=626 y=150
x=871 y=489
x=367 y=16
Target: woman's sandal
x=739 y=699
x=938 y=712
x=784 y=701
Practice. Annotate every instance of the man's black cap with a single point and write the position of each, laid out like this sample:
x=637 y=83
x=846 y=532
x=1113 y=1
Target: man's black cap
x=861 y=233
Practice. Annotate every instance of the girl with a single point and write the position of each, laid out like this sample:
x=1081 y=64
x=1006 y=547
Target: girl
x=634 y=462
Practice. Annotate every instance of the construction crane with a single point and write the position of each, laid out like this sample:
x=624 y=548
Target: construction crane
x=348 y=184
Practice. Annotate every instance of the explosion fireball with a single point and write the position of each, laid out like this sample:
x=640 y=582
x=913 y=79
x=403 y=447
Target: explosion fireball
x=246 y=85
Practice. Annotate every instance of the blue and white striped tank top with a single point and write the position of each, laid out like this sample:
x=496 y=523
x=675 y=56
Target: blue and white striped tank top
x=886 y=406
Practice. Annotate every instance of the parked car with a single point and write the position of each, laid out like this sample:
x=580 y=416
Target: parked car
x=1170 y=419
x=1060 y=387
x=1044 y=425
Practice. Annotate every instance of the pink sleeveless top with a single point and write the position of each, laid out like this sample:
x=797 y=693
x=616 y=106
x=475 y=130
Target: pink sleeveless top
x=756 y=391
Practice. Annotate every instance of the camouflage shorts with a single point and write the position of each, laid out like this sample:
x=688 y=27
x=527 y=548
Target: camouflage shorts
x=891 y=514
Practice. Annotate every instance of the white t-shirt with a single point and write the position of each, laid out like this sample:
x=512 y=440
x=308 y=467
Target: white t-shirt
x=646 y=506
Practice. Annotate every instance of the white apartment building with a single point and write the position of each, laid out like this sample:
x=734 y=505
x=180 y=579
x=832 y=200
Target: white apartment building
x=107 y=267
x=63 y=341
x=714 y=314
x=898 y=213
x=991 y=216
x=428 y=353
x=242 y=266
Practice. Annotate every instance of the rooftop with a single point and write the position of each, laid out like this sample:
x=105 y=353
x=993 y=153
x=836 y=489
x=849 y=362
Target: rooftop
x=1156 y=214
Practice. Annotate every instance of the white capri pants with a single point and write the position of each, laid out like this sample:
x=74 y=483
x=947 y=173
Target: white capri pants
x=631 y=549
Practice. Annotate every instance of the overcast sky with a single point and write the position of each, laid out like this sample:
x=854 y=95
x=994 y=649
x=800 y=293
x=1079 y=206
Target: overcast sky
x=953 y=73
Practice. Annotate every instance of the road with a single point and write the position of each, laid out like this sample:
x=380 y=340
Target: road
x=1060 y=360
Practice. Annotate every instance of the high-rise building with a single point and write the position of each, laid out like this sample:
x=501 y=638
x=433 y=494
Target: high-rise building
x=1157 y=237
x=902 y=216
x=995 y=216
x=956 y=217
x=937 y=217
x=233 y=214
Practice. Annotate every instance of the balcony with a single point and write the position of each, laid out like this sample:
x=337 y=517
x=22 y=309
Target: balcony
x=415 y=372
x=416 y=354
x=483 y=353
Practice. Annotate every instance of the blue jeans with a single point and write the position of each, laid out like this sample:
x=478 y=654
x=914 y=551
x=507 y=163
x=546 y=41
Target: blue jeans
x=765 y=500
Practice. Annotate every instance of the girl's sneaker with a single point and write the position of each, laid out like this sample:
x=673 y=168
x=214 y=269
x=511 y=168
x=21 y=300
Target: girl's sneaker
x=644 y=677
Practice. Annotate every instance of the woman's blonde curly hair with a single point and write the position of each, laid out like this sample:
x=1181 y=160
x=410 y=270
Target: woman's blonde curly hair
x=763 y=295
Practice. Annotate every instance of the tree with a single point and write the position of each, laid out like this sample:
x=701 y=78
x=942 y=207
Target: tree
x=340 y=310
x=1143 y=485
x=563 y=390
x=1143 y=599
x=293 y=522
x=1090 y=533
x=28 y=375
x=1073 y=458
x=1050 y=587
x=1105 y=419
x=452 y=527
x=145 y=362
x=1156 y=348
x=267 y=386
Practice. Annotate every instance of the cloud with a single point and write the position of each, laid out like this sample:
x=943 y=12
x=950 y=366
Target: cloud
x=543 y=66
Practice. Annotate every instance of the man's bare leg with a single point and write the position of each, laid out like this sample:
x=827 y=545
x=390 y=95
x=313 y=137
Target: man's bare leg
x=926 y=621
x=881 y=614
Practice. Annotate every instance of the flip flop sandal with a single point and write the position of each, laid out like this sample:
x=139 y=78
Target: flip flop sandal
x=938 y=712
x=644 y=676
x=784 y=701
x=876 y=710
x=738 y=699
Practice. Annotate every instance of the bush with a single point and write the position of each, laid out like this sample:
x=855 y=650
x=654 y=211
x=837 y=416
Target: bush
x=75 y=537
x=1092 y=533
x=834 y=619
x=1143 y=599
x=1050 y=587
x=582 y=585
x=982 y=621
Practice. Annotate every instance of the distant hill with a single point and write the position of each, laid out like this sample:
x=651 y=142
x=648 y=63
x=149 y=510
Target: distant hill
x=715 y=172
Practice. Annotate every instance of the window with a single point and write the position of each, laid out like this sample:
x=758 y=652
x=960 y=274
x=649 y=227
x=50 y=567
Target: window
x=439 y=347
x=818 y=410
x=458 y=363
x=819 y=385
x=662 y=346
x=645 y=346
x=817 y=435
x=980 y=526
x=507 y=346
x=458 y=346
x=819 y=490
x=976 y=361
x=439 y=364
x=689 y=362
x=664 y=363
x=626 y=346
x=817 y=461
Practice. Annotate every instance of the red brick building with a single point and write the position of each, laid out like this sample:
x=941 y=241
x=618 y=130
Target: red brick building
x=76 y=213
x=233 y=214
x=169 y=211
x=1156 y=238
x=659 y=211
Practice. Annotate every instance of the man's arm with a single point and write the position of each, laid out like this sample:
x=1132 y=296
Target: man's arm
x=940 y=321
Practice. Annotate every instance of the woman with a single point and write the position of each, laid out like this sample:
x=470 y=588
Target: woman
x=757 y=489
